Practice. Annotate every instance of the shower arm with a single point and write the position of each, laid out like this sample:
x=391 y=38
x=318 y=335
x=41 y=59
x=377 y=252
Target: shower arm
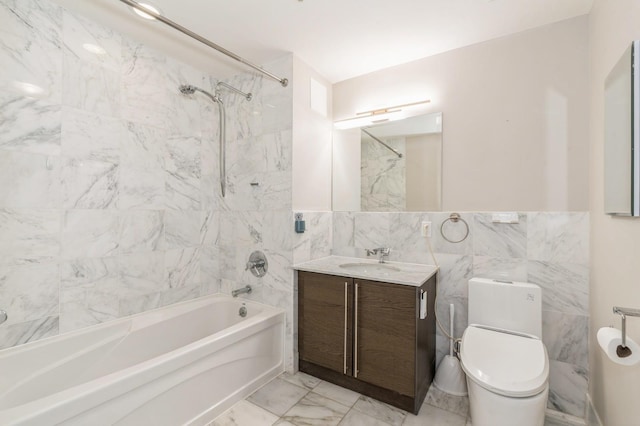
x=283 y=81
x=381 y=142
x=247 y=96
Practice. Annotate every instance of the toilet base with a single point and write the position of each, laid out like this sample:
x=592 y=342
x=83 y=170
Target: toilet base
x=490 y=409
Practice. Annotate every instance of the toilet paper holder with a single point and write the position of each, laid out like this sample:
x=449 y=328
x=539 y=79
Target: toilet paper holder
x=623 y=350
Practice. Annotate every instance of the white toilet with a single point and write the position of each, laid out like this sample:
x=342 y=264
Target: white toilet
x=503 y=356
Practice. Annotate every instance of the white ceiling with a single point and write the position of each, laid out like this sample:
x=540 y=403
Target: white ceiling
x=340 y=39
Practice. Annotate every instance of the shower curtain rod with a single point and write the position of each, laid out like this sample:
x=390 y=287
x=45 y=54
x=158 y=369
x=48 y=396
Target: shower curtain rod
x=283 y=81
x=382 y=142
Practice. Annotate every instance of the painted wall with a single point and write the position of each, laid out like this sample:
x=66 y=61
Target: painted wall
x=548 y=249
x=347 y=181
x=424 y=172
x=514 y=114
x=614 y=241
x=312 y=126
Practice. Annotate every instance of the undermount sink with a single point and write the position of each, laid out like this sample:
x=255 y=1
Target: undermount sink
x=369 y=267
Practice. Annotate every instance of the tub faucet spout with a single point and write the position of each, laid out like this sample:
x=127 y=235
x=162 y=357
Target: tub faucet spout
x=3 y=316
x=243 y=290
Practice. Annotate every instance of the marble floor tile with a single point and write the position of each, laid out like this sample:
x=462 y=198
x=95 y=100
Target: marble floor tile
x=555 y=422
x=315 y=409
x=337 y=393
x=357 y=418
x=278 y=396
x=456 y=404
x=301 y=379
x=307 y=401
x=556 y=418
x=430 y=415
x=245 y=413
x=381 y=411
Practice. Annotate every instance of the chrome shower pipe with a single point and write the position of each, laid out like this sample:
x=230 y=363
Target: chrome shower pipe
x=283 y=81
x=381 y=142
x=187 y=89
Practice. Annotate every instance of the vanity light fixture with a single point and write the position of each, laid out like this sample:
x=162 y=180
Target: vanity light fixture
x=382 y=115
x=154 y=10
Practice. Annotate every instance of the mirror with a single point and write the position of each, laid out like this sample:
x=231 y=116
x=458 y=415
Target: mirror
x=622 y=135
x=392 y=166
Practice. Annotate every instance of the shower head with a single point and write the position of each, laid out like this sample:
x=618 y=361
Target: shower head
x=187 y=89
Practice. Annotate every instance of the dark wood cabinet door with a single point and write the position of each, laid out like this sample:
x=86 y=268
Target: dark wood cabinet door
x=324 y=321
x=384 y=335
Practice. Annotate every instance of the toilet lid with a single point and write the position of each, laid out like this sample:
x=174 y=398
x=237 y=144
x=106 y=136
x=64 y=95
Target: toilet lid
x=504 y=363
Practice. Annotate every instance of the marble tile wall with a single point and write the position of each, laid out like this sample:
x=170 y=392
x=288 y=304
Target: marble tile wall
x=109 y=185
x=383 y=176
x=545 y=248
x=256 y=212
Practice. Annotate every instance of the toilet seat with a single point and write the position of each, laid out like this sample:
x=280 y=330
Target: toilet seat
x=504 y=363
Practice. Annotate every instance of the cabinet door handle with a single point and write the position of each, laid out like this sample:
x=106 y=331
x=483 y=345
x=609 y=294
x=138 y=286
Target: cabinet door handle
x=355 y=334
x=346 y=286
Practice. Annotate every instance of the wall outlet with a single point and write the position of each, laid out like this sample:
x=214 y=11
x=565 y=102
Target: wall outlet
x=425 y=229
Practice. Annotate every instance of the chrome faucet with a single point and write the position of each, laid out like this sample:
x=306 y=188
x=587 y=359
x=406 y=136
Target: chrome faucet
x=382 y=252
x=3 y=316
x=243 y=290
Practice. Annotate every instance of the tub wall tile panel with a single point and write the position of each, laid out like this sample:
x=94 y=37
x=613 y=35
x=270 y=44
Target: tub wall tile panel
x=546 y=248
x=109 y=188
x=256 y=212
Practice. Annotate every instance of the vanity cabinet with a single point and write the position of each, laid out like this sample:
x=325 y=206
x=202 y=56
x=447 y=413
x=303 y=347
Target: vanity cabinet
x=368 y=336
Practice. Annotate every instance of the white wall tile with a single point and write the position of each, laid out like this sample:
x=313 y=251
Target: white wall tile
x=29 y=292
x=29 y=181
x=499 y=239
x=567 y=388
x=29 y=331
x=143 y=231
x=89 y=184
x=558 y=237
x=30 y=125
x=90 y=233
x=29 y=236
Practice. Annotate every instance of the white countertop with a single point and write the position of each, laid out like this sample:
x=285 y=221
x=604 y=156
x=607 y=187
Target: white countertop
x=412 y=274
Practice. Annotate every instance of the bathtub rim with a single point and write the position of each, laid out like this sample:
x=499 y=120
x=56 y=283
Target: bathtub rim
x=116 y=324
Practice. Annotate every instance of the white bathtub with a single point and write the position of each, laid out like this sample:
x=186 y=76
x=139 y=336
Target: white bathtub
x=184 y=364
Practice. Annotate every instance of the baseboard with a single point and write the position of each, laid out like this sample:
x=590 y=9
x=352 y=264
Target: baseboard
x=593 y=419
x=567 y=419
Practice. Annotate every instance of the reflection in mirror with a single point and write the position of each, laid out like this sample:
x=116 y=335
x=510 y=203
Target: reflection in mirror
x=622 y=135
x=394 y=166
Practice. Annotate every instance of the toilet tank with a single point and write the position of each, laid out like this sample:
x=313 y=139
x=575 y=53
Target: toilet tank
x=506 y=305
